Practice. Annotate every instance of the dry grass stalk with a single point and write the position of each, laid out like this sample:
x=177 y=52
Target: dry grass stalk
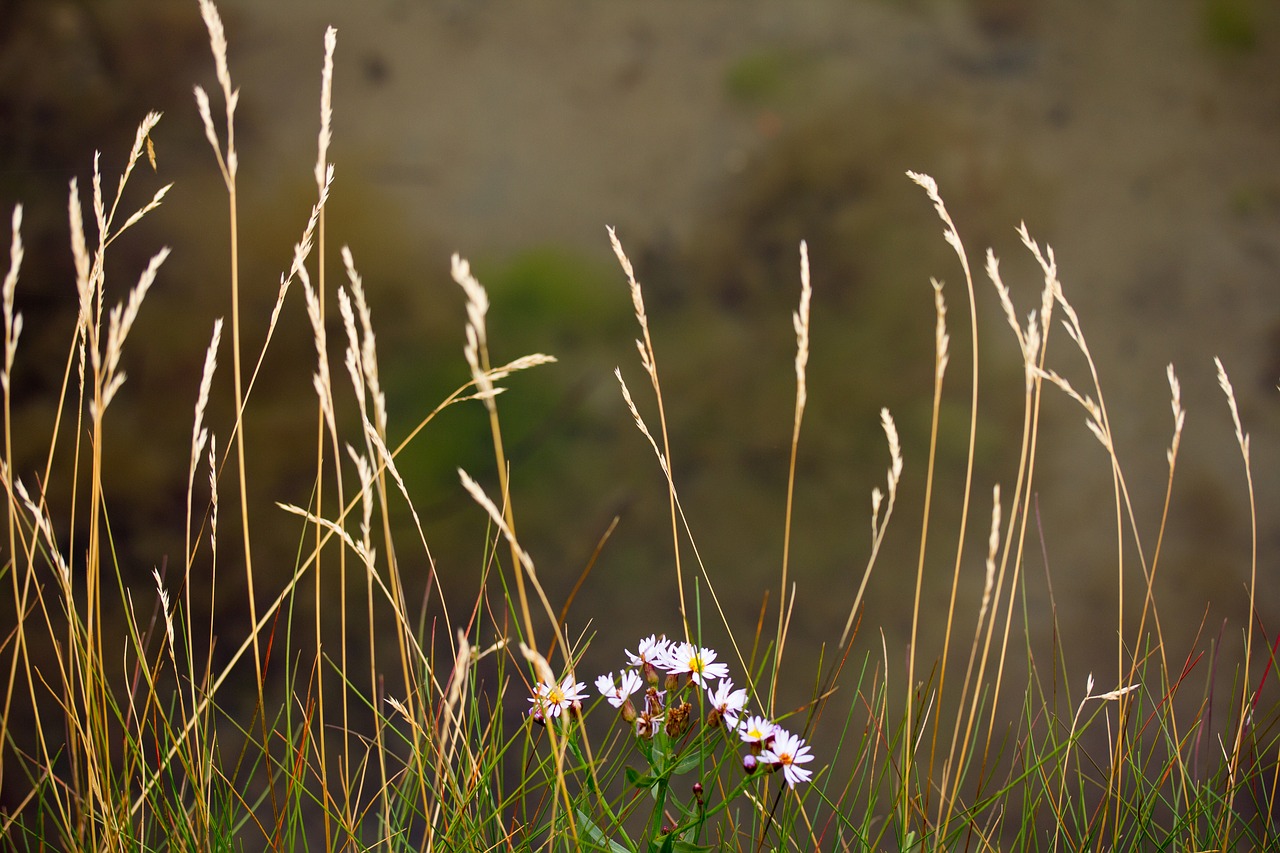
x=1109 y=696
x=362 y=367
x=800 y=321
x=476 y=352
x=320 y=380
x=1244 y=715
x=993 y=548
x=1149 y=609
x=879 y=524
x=1031 y=344
x=301 y=252
x=316 y=225
x=952 y=236
x=326 y=108
x=228 y=164
x=526 y=562
x=12 y=320
x=648 y=360
x=119 y=325
x=199 y=433
x=941 y=359
x=12 y=330
x=323 y=384
x=640 y=424
x=477 y=337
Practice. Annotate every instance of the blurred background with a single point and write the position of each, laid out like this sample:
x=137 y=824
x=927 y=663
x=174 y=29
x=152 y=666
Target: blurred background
x=1141 y=139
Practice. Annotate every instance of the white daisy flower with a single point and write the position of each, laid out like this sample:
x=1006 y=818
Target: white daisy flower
x=651 y=651
x=788 y=751
x=618 y=694
x=697 y=662
x=756 y=730
x=727 y=703
x=553 y=699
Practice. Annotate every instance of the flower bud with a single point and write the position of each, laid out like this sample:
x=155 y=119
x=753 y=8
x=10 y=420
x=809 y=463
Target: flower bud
x=749 y=763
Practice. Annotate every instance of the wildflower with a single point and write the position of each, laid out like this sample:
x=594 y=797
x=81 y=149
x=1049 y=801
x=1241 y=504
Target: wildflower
x=653 y=702
x=756 y=731
x=651 y=655
x=549 y=701
x=646 y=726
x=697 y=662
x=618 y=694
x=540 y=711
x=726 y=703
x=787 y=751
x=647 y=723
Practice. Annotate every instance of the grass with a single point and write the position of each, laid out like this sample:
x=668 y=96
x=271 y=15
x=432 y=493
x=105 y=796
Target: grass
x=346 y=716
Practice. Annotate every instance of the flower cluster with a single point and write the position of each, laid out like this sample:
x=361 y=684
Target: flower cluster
x=777 y=748
x=660 y=674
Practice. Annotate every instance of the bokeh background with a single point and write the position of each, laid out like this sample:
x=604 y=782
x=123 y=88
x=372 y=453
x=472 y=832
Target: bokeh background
x=1141 y=139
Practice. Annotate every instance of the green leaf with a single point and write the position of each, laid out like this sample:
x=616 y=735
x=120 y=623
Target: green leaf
x=689 y=762
x=596 y=835
x=636 y=780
